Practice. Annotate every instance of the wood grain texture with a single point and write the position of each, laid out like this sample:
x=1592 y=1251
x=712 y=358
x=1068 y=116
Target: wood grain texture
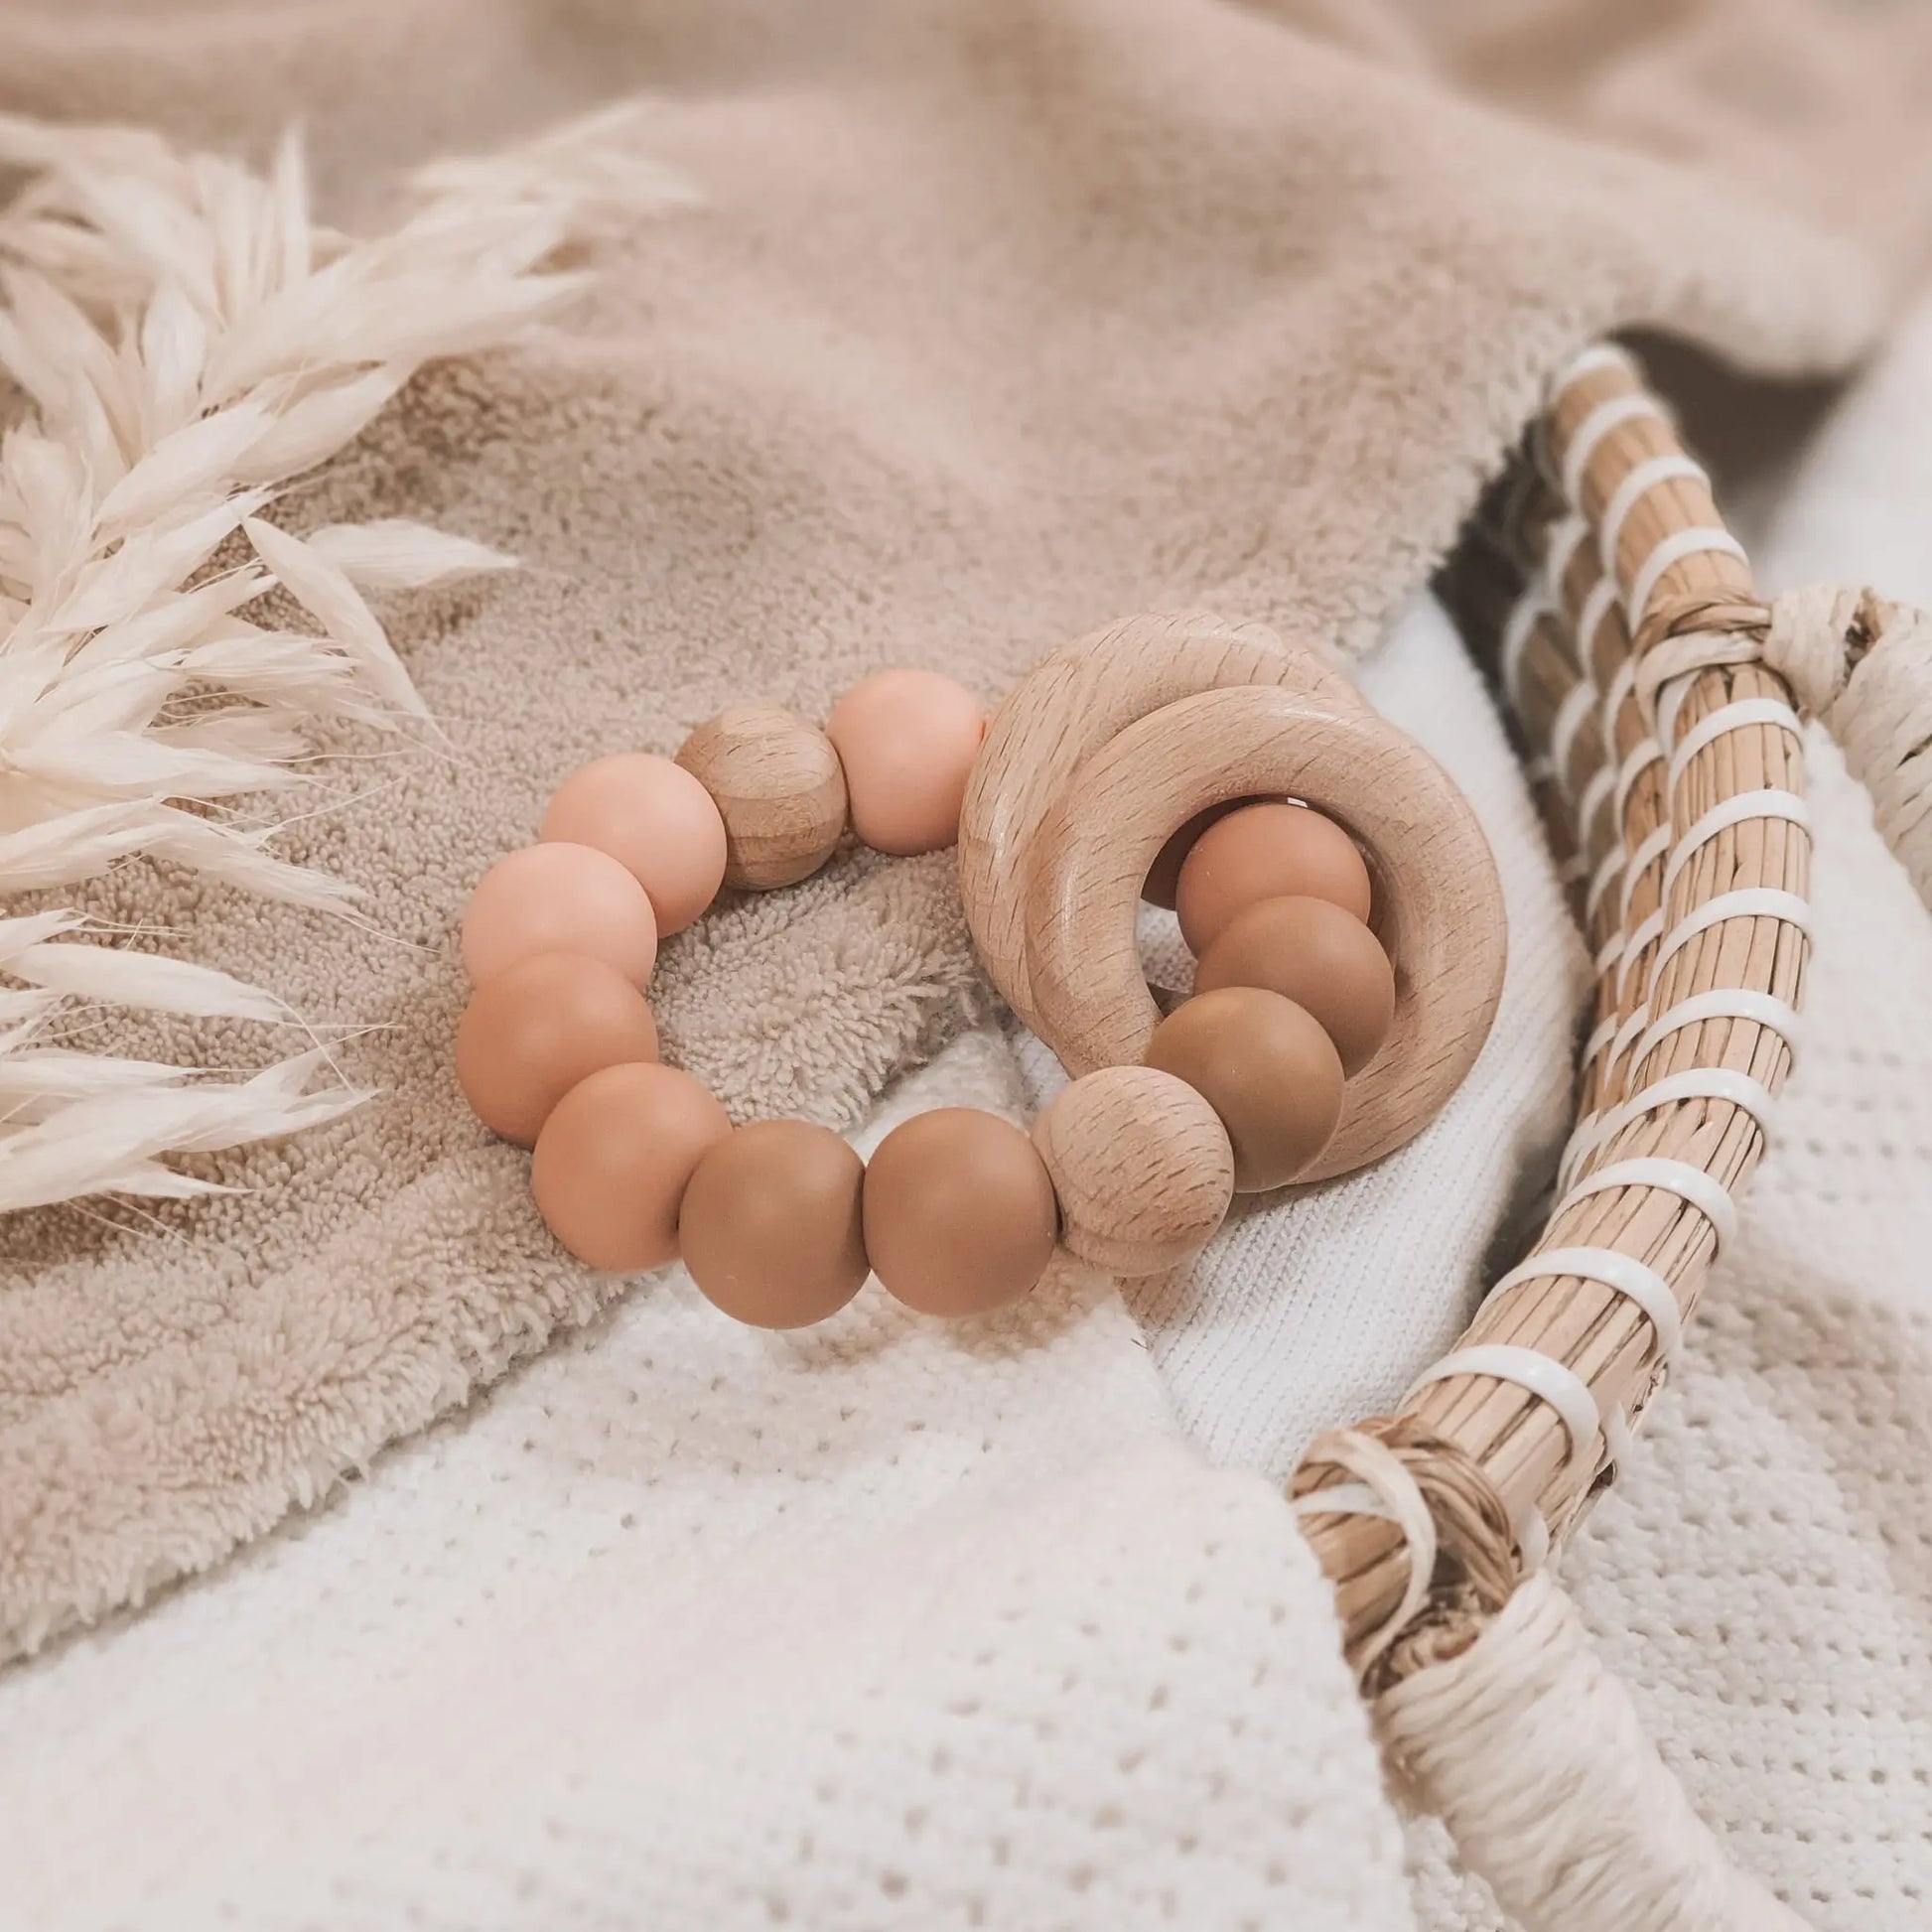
x=1142 y=1167
x=1514 y=1443
x=1097 y=757
x=780 y=789
x=1068 y=706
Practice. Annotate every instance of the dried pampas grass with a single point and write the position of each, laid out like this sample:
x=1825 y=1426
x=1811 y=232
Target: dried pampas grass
x=188 y=341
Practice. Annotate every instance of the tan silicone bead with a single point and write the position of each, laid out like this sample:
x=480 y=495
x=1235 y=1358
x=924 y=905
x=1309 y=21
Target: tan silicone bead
x=906 y=739
x=1266 y=850
x=612 y=1159
x=959 y=1212
x=656 y=819
x=777 y=786
x=1310 y=951
x=1267 y=1067
x=1164 y=873
x=1141 y=1164
x=534 y=1031
x=770 y=1226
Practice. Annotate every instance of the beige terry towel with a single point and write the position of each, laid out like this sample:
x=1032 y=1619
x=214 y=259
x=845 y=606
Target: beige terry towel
x=998 y=322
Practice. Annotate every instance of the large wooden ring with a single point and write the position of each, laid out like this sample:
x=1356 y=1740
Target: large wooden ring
x=1108 y=747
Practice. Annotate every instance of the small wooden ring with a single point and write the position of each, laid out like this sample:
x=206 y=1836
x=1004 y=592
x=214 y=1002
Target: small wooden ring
x=1440 y=913
x=1068 y=706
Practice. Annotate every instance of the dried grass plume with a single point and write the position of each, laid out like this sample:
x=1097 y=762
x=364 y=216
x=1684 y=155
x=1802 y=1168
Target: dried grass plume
x=188 y=341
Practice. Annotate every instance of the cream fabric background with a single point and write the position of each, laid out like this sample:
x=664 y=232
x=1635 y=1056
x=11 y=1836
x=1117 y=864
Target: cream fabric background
x=684 y=1627
x=997 y=322
x=688 y=1626
x=691 y=1627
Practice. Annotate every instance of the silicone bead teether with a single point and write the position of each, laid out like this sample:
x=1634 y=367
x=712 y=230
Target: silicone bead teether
x=960 y=1217
x=534 y=1031
x=559 y=898
x=769 y=1225
x=1266 y=850
x=1164 y=753
x=1267 y=1067
x=1310 y=951
x=907 y=740
x=656 y=820
x=611 y=1163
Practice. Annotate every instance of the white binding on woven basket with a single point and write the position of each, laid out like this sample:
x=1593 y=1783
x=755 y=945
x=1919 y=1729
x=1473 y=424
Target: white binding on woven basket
x=1577 y=1823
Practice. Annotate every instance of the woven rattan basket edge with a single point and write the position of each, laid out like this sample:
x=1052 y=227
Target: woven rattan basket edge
x=1665 y=799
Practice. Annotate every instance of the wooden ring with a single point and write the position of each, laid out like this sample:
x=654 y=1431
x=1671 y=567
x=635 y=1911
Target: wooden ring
x=1110 y=747
x=1068 y=706
x=1435 y=884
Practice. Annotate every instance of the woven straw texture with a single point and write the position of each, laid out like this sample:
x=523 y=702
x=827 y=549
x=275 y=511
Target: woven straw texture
x=1674 y=795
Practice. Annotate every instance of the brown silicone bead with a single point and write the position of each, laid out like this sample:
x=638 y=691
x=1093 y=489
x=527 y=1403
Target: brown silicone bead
x=1164 y=872
x=1267 y=1067
x=1310 y=951
x=780 y=789
x=1142 y=1167
x=1266 y=850
x=959 y=1212
x=535 y=1030
x=612 y=1161
x=771 y=1227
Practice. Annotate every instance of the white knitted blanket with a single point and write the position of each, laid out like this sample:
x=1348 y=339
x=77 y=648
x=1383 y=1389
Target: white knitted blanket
x=684 y=1625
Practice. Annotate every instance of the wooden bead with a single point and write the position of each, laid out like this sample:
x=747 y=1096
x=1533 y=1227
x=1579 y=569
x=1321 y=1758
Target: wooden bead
x=1266 y=1067
x=1310 y=951
x=771 y=1227
x=531 y=1032
x=1142 y=1166
x=959 y=1212
x=780 y=789
x=612 y=1159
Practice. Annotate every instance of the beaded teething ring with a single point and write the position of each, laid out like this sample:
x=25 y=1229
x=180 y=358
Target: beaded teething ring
x=1341 y=900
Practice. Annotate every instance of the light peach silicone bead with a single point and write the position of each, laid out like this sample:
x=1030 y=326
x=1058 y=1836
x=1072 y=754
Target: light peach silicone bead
x=539 y=1028
x=559 y=897
x=907 y=741
x=656 y=819
x=613 y=1160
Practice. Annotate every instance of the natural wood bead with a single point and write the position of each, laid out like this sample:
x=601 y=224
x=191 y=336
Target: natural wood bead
x=1266 y=1067
x=769 y=1225
x=778 y=787
x=959 y=1212
x=1142 y=1165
